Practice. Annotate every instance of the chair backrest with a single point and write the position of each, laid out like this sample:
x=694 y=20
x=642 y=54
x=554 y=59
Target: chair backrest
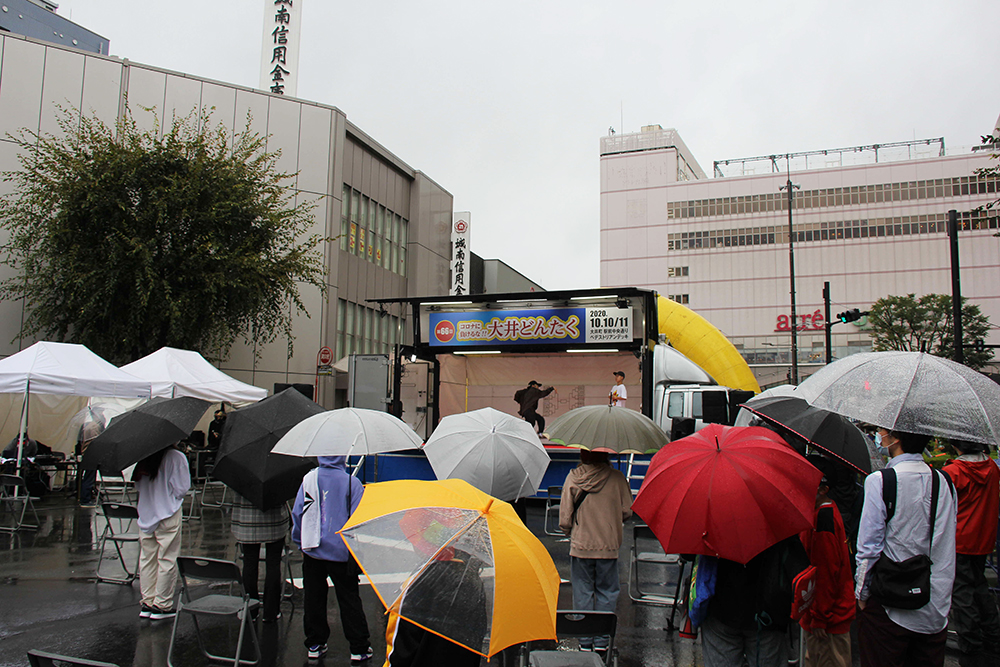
x=11 y=480
x=42 y=659
x=585 y=623
x=555 y=492
x=641 y=531
x=12 y=483
x=209 y=569
x=120 y=511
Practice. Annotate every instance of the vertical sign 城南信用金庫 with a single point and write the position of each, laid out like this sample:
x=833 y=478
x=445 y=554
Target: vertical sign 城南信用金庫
x=279 y=58
x=460 y=253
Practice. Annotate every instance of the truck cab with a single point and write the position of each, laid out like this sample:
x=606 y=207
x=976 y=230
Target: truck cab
x=686 y=398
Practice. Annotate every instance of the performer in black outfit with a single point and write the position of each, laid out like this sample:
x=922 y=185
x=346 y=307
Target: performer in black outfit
x=528 y=399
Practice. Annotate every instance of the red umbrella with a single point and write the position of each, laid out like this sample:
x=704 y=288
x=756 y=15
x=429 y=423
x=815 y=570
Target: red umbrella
x=727 y=491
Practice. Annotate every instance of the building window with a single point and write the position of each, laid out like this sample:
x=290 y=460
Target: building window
x=680 y=298
x=677 y=271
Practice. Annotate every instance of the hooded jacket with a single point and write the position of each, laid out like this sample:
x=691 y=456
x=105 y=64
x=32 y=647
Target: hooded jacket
x=977 y=482
x=596 y=531
x=339 y=494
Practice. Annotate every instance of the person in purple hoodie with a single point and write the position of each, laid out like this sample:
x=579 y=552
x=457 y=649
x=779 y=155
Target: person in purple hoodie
x=327 y=498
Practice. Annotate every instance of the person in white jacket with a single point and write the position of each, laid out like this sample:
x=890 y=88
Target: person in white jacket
x=161 y=480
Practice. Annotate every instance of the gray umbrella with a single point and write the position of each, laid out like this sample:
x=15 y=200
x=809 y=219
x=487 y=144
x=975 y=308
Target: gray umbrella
x=911 y=392
x=606 y=428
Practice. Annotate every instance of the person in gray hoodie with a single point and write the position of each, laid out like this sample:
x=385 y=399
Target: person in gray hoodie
x=327 y=498
x=596 y=501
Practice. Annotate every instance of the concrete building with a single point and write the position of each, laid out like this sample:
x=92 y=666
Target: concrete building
x=38 y=19
x=868 y=219
x=494 y=276
x=389 y=222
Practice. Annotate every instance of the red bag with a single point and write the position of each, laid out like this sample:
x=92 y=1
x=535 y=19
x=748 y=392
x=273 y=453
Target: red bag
x=804 y=590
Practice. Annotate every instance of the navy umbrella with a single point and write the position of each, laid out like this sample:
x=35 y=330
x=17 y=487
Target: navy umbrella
x=245 y=462
x=827 y=431
x=141 y=431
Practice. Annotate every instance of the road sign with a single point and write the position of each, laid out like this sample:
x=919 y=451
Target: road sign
x=325 y=356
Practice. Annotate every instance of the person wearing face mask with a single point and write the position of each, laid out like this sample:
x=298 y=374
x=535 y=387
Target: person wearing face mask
x=889 y=636
x=879 y=447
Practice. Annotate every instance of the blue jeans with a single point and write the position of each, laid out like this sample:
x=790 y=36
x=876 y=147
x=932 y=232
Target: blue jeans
x=595 y=586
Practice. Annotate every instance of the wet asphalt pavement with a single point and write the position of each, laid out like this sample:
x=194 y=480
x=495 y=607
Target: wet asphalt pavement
x=50 y=600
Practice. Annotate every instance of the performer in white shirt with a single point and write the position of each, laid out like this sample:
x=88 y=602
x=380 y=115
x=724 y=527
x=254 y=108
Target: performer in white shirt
x=618 y=394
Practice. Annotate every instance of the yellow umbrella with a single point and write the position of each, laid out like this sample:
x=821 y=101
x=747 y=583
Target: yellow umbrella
x=456 y=562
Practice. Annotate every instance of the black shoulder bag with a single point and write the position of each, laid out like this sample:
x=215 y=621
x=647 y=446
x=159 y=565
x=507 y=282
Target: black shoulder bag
x=907 y=584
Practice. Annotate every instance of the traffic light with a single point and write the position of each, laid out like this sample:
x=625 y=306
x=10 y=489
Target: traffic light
x=852 y=315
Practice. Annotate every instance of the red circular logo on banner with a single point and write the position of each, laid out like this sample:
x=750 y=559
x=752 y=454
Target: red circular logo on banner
x=444 y=331
x=461 y=226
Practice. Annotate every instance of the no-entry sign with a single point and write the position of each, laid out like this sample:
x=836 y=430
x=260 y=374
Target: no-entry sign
x=325 y=356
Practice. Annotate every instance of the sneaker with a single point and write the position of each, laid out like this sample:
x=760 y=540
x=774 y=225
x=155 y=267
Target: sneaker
x=273 y=620
x=145 y=611
x=316 y=652
x=157 y=614
x=88 y=505
x=360 y=658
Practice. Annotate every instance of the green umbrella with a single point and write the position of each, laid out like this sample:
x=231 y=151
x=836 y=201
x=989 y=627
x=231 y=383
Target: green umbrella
x=606 y=428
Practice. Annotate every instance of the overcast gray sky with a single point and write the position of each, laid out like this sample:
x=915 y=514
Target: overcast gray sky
x=504 y=104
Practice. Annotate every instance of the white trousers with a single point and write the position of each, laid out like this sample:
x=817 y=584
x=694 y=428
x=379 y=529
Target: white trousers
x=158 y=553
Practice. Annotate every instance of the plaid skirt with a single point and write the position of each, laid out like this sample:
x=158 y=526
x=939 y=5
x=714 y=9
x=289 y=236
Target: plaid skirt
x=250 y=525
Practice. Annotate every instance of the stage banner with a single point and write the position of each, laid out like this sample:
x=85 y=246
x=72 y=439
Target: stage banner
x=554 y=326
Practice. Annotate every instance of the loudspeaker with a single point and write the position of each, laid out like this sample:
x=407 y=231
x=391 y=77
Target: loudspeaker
x=304 y=389
x=681 y=427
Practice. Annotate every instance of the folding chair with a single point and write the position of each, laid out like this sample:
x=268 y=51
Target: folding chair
x=14 y=494
x=195 y=511
x=580 y=623
x=114 y=488
x=552 y=499
x=240 y=606
x=214 y=484
x=42 y=659
x=646 y=549
x=121 y=513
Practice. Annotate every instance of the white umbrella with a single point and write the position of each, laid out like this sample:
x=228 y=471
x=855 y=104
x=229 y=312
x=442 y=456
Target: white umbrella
x=911 y=392
x=498 y=454
x=347 y=432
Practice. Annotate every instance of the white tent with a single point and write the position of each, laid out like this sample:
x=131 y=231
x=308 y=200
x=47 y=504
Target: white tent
x=64 y=369
x=174 y=373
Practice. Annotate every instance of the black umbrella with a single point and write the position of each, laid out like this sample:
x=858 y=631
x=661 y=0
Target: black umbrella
x=245 y=462
x=145 y=430
x=825 y=430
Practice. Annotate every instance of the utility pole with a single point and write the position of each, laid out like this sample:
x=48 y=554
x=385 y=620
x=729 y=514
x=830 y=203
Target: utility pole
x=791 y=187
x=956 y=287
x=826 y=319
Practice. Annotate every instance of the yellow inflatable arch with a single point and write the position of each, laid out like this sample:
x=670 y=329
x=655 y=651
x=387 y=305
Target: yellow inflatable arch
x=698 y=340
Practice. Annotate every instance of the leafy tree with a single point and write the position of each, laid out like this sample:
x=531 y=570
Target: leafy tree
x=992 y=172
x=127 y=240
x=925 y=324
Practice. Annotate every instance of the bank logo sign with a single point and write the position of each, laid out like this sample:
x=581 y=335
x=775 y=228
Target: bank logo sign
x=555 y=326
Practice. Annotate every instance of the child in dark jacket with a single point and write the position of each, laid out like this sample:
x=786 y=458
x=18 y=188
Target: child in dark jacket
x=827 y=622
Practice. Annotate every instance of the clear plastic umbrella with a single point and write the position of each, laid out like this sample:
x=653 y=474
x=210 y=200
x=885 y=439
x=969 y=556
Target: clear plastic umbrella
x=498 y=454
x=912 y=392
x=348 y=432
